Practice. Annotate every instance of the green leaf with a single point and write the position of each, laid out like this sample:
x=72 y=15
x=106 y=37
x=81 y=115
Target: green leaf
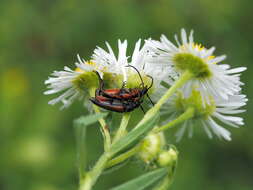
x=134 y=135
x=143 y=181
x=80 y=125
x=115 y=167
x=88 y=120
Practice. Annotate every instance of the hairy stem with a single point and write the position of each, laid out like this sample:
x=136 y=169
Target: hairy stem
x=92 y=176
x=122 y=128
x=189 y=113
x=168 y=179
x=104 y=126
x=105 y=130
x=122 y=157
x=165 y=184
x=179 y=83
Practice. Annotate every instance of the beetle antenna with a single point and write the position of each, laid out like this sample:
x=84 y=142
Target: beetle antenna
x=142 y=83
x=152 y=81
x=101 y=82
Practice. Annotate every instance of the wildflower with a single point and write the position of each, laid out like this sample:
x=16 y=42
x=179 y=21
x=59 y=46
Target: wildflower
x=74 y=84
x=210 y=77
x=118 y=65
x=208 y=115
x=109 y=60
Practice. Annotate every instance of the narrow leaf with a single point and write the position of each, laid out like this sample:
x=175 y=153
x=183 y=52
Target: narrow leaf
x=143 y=181
x=134 y=135
x=90 y=119
x=80 y=131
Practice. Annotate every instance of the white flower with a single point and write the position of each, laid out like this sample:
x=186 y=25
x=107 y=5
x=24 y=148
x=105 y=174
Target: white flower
x=210 y=77
x=138 y=60
x=111 y=63
x=209 y=116
x=72 y=83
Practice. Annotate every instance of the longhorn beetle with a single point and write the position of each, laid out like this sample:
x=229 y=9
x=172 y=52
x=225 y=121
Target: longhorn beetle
x=116 y=105
x=123 y=99
x=124 y=93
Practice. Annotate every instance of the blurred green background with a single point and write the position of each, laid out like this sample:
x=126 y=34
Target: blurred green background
x=37 y=143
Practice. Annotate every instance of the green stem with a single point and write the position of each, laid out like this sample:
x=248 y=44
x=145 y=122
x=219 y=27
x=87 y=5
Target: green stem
x=123 y=156
x=122 y=128
x=189 y=113
x=179 y=83
x=167 y=180
x=105 y=129
x=92 y=176
x=165 y=184
x=104 y=126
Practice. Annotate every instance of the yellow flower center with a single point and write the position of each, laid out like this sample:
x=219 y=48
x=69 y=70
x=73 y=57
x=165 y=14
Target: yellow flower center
x=198 y=46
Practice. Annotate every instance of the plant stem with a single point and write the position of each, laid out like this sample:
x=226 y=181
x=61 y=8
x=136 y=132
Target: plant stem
x=168 y=179
x=104 y=126
x=164 y=185
x=179 y=83
x=189 y=113
x=123 y=156
x=105 y=130
x=122 y=128
x=92 y=176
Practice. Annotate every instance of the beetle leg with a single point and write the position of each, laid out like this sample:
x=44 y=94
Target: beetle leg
x=111 y=101
x=150 y=100
x=142 y=109
x=123 y=84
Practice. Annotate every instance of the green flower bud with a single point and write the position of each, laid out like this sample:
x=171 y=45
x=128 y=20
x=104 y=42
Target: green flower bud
x=151 y=146
x=167 y=158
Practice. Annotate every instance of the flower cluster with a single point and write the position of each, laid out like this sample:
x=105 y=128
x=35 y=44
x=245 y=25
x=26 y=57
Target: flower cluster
x=213 y=89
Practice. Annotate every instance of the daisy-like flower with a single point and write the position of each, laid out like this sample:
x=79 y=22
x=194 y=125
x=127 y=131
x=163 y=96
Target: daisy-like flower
x=111 y=62
x=208 y=115
x=74 y=84
x=210 y=77
x=140 y=62
x=118 y=65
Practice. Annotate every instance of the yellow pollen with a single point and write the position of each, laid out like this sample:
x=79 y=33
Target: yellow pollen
x=79 y=70
x=198 y=46
x=90 y=63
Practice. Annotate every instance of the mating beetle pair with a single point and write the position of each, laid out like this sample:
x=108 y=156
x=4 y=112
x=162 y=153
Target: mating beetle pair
x=123 y=99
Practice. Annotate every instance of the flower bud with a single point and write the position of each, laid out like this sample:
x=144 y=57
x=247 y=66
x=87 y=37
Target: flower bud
x=151 y=146
x=167 y=158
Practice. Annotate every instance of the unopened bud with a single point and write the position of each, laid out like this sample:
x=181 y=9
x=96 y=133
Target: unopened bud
x=167 y=157
x=151 y=146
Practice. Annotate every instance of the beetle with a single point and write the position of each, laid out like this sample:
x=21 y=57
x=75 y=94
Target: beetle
x=124 y=93
x=120 y=100
x=115 y=104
